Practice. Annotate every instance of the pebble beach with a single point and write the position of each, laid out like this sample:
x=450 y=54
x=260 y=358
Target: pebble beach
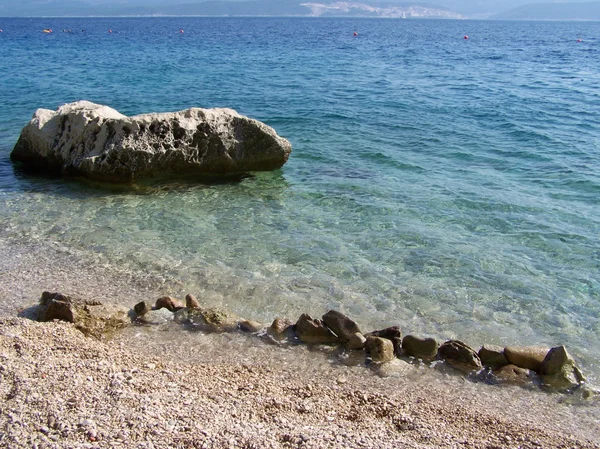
x=146 y=390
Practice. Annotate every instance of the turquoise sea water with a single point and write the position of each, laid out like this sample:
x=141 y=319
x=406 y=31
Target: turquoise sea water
x=447 y=185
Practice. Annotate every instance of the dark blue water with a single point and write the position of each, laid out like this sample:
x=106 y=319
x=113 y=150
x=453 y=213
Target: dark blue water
x=448 y=185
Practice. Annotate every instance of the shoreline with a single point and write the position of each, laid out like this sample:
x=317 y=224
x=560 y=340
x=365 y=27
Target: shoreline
x=61 y=388
x=542 y=416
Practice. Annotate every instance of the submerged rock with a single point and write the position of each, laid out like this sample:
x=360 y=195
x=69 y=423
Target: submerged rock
x=156 y=317
x=513 y=375
x=558 y=370
x=211 y=320
x=460 y=356
x=528 y=357
x=421 y=348
x=311 y=330
x=95 y=141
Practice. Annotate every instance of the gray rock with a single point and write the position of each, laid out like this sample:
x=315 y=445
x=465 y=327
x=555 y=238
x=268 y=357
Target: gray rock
x=528 y=357
x=558 y=370
x=142 y=308
x=97 y=142
x=356 y=341
x=314 y=331
x=394 y=334
x=156 y=317
x=460 y=356
x=341 y=325
x=422 y=348
x=380 y=350
x=492 y=356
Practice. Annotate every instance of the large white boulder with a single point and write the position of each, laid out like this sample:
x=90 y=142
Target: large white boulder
x=95 y=141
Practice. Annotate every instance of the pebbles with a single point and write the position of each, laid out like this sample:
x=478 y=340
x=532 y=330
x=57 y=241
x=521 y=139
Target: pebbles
x=176 y=404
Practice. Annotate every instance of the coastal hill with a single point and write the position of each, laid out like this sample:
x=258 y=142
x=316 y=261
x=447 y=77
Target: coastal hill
x=552 y=11
x=446 y=9
x=454 y=9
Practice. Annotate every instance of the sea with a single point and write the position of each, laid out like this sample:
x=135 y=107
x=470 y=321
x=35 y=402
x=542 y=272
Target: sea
x=445 y=174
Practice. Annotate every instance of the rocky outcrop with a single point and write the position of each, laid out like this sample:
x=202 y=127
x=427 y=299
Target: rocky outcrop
x=95 y=141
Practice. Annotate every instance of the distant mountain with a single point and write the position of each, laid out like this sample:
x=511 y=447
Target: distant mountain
x=552 y=11
x=500 y=9
x=313 y=8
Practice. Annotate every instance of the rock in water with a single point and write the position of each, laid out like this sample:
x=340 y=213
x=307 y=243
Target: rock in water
x=528 y=357
x=381 y=350
x=459 y=356
x=558 y=370
x=341 y=325
x=314 y=331
x=95 y=141
x=422 y=348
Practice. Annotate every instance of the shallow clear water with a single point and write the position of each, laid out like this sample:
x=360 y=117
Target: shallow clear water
x=446 y=185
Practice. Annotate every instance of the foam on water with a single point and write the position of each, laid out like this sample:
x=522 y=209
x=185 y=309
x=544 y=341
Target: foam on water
x=448 y=186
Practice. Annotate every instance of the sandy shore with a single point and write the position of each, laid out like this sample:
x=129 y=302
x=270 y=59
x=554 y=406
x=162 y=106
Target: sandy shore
x=163 y=388
x=61 y=389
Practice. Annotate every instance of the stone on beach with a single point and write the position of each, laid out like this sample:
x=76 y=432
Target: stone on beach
x=280 y=328
x=513 y=375
x=250 y=326
x=528 y=357
x=93 y=318
x=460 y=356
x=341 y=325
x=393 y=333
x=141 y=308
x=379 y=349
x=422 y=348
x=169 y=303
x=558 y=370
x=314 y=331
x=95 y=141
x=191 y=302
x=492 y=356
x=357 y=341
